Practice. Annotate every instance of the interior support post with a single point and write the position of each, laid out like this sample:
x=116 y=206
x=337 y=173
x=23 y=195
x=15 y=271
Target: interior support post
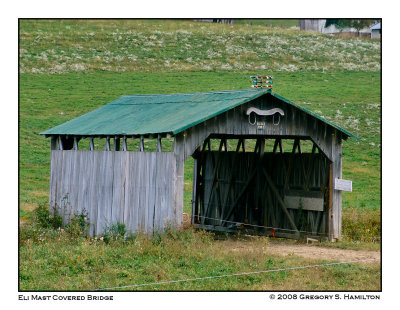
x=76 y=143
x=124 y=144
x=117 y=143
x=194 y=193
x=141 y=144
x=240 y=143
x=159 y=145
x=278 y=142
x=223 y=144
x=54 y=143
x=314 y=148
x=107 y=147
x=60 y=143
x=91 y=144
x=281 y=202
x=296 y=145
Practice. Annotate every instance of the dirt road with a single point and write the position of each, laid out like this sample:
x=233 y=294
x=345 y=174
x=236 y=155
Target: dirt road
x=318 y=252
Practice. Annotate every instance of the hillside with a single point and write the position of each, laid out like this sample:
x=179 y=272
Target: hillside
x=154 y=46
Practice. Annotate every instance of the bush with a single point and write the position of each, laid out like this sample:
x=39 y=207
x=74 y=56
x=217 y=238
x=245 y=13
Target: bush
x=44 y=219
x=78 y=225
x=114 y=232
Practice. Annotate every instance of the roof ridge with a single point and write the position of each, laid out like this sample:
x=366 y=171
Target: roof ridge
x=207 y=92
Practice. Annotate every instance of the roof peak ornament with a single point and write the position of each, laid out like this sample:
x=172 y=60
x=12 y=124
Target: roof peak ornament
x=261 y=81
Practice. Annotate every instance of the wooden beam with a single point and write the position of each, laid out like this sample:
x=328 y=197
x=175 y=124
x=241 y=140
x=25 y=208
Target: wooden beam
x=314 y=148
x=53 y=145
x=247 y=231
x=229 y=184
x=240 y=143
x=75 y=143
x=141 y=144
x=205 y=144
x=179 y=148
x=256 y=148
x=331 y=237
x=159 y=145
x=194 y=192
x=107 y=147
x=279 y=198
x=214 y=189
x=117 y=143
x=262 y=146
x=243 y=190
x=295 y=145
x=60 y=143
x=91 y=144
x=222 y=143
x=124 y=144
x=278 y=142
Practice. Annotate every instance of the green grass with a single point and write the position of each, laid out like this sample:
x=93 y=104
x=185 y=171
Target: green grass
x=55 y=261
x=280 y=23
x=71 y=67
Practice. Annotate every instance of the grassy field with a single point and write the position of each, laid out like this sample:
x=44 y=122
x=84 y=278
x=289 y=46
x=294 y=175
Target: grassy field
x=68 y=68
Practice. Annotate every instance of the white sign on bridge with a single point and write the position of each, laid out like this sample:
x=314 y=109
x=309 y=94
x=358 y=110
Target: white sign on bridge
x=343 y=185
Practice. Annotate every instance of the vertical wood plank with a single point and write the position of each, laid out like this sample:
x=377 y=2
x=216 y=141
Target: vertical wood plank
x=179 y=170
x=336 y=194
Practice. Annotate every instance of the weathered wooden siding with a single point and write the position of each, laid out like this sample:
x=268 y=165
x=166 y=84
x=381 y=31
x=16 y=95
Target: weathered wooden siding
x=295 y=123
x=134 y=188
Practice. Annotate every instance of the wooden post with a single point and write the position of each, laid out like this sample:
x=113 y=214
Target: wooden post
x=159 y=146
x=179 y=148
x=60 y=143
x=54 y=143
x=336 y=195
x=107 y=147
x=91 y=144
x=314 y=148
x=75 y=143
x=124 y=145
x=117 y=143
x=141 y=144
x=194 y=192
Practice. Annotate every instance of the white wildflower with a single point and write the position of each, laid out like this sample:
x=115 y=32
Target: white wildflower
x=78 y=67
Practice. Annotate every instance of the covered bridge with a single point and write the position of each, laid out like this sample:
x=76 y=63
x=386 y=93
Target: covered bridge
x=285 y=191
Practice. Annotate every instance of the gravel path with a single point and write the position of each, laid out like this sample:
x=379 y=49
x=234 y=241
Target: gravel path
x=317 y=252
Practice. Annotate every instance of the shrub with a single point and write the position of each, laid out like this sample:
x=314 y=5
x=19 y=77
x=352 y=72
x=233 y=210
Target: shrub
x=114 y=232
x=78 y=225
x=44 y=219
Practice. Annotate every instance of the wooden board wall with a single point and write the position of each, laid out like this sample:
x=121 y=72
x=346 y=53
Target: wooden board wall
x=295 y=123
x=134 y=188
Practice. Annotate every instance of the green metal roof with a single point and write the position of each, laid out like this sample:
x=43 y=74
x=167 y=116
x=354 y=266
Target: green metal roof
x=166 y=113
